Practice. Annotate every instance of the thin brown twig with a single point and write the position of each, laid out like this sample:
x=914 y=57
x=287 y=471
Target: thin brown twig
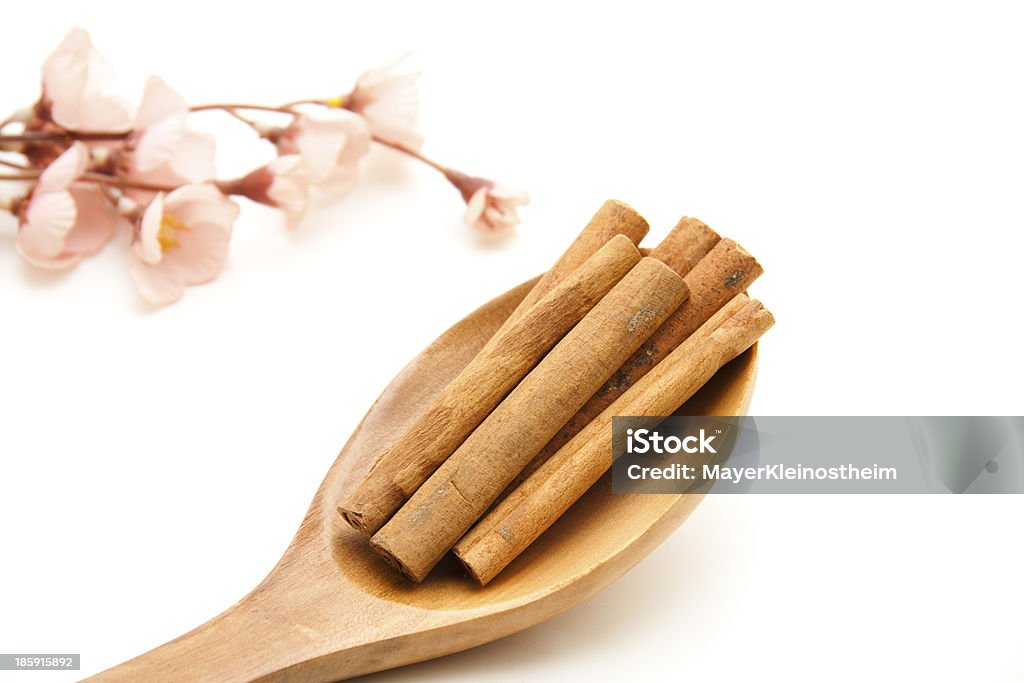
x=99 y=178
x=297 y=103
x=124 y=182
x=14 y=164
x=413 y=153
x=228 y=106
x=68 y=135
x=247 y=121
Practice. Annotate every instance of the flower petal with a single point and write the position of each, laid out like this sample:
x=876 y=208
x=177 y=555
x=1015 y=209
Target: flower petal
x=476 y=205
x=320 y=143
x=193 y=159
x=94 y=113
x=73 y=79
x=201 y=202
x=204 y=247
x=65 y=71
x=289 y=189
x=64 y=170
x=395 y=121
x=156 y=145
x=510 y=196
x=166 y=151
x=49 y=218
x=75 y=67
x=147 y=247
x=157 y=284
x=390 y=103
x=61 y=261
x=326 y=143
x=380 y=74
x=357 y=141
x=499 y=218
x=96 y=223
x=159 y=101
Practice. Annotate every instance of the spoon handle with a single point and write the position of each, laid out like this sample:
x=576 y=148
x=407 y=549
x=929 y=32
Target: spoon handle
x=275 y=633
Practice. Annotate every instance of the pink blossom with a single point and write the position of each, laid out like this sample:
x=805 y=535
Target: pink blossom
x=330 y=147
x=183 y=240
x=74 y=78
x=163 y=151
x=63 y=222
x=492 y=208
x=389 y=100
x=282 y=184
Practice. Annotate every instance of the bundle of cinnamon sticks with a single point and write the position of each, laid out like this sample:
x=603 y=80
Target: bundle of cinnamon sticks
x=525 y=429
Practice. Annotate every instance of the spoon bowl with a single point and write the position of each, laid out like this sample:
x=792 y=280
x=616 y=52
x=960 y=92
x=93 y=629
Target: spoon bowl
x=332 y=609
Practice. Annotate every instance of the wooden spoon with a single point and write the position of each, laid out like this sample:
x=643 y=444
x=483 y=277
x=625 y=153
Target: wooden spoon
x=331 y=609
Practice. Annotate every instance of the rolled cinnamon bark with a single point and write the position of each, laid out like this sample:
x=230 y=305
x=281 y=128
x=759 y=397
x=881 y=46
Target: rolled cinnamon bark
x=481 y=386
x=613 y=218
x=525 y=486
x=462 y=488
x=685 y=245
x=725 y=271
x=580 y=463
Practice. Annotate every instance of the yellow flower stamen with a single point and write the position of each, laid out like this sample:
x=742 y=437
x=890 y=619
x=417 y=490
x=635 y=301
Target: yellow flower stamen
x=336 y=102
x=167 y=235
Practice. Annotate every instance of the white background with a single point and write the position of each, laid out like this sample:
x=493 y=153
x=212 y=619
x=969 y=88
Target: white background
x=155 y=464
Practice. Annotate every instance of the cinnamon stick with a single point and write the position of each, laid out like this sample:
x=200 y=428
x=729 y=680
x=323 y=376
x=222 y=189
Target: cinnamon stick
x=481 y=386
x=613 y=218
x=581 y=462
x=462 y=488
x=525 y=486
x=726 y=270
x=686 y=244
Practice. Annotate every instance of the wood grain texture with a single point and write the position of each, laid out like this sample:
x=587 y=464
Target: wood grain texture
x=331 y=610
x=482 y=385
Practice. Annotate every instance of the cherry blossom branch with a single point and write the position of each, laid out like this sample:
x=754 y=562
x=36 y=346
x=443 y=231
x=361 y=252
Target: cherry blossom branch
x=489 y=206
x=61 y=136
x=335 y=103
x=457 y=178
x=156 y=179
